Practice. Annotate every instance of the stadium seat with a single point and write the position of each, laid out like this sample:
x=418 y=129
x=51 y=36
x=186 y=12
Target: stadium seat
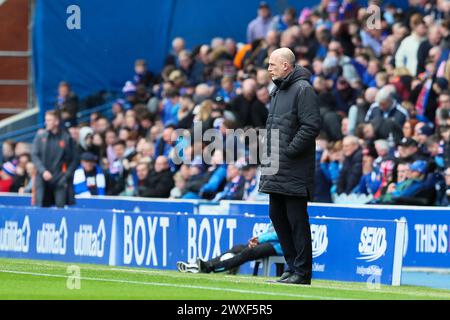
x=267 y=264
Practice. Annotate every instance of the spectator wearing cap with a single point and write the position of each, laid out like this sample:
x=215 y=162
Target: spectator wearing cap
x=409 y=188
x=159 y=181
x=351 y=171
x=260 y=26
x=407 y=53
x=408 y=150
x=386 y=107
x=422 y=131
x=89 y=179
x=129 y=91
x=7 y=174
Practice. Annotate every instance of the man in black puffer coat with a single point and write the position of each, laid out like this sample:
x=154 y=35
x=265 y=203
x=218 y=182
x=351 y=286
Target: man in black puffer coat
x=295 y=113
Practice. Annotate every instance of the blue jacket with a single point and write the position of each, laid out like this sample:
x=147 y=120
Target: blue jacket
x=271 y=236
x=216 y=179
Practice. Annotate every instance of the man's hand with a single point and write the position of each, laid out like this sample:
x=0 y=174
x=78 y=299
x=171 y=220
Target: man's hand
x=253 y=242
x=47 y=175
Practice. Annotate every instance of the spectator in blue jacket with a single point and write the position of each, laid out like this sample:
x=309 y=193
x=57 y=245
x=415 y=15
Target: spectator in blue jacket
x=411 y=186
x=234 y=189
x=88 y=179
x=370 y=181
x=331 y=164
x=259 y=247
x=217 y=176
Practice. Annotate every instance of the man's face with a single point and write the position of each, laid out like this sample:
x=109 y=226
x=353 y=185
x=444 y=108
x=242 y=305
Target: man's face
x=63 y=91
x=348 y=148
x=447 y=177
x=232 y=172
x=88 y=166
x=142 y=171
x=51 y=122
x=119 y=150
x=160 y=164
x=249 y=174
x=384 y=105
x=405 y=151
x=444 y=101
x=403 y=172
x=263 y=12
x=277 y=68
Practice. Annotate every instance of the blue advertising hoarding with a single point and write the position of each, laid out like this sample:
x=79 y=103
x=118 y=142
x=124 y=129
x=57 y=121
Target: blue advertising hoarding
x=55 y=234
x=343 y=249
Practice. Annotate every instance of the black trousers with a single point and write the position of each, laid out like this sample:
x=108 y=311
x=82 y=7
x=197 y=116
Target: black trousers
x=242 y=254
x=290 y=220
x=54 y=195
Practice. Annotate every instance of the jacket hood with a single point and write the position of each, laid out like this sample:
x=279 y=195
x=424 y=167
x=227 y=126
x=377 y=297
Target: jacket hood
x=84 y=132
x=298 y=74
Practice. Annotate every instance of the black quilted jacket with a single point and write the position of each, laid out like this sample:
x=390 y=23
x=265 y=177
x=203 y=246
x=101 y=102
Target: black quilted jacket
x=295 y=112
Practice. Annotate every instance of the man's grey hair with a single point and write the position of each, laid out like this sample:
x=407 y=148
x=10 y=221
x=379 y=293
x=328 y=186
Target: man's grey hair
x=385 y=94
x=382 y=144
x=352 y=139
x=286 y=54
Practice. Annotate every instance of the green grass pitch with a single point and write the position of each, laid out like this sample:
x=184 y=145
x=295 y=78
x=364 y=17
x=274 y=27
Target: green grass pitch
x=25 y=279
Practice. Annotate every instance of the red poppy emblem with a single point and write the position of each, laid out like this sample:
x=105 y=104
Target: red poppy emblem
x=62 y=144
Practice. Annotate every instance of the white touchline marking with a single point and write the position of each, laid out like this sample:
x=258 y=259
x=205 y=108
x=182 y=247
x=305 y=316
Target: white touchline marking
x=234 y=278
x=174 y=285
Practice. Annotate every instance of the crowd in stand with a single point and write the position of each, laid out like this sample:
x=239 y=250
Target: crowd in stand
x=383 y=90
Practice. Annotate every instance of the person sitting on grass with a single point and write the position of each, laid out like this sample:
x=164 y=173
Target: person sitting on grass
x=262 y=246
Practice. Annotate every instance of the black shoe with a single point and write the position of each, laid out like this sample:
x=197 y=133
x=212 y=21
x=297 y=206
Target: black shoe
x=284 y=276
x=203 y=266
x=296 y=279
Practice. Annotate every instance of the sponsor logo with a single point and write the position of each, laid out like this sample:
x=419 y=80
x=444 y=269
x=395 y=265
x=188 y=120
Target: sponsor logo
x=319 y=236
x=90 y=243
x=369 y=271
x=142 y=236
x=52 y=240
x=431 y=238
x=373 y=243
x=318 y=267
x=205 y=236
x=13 y=238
